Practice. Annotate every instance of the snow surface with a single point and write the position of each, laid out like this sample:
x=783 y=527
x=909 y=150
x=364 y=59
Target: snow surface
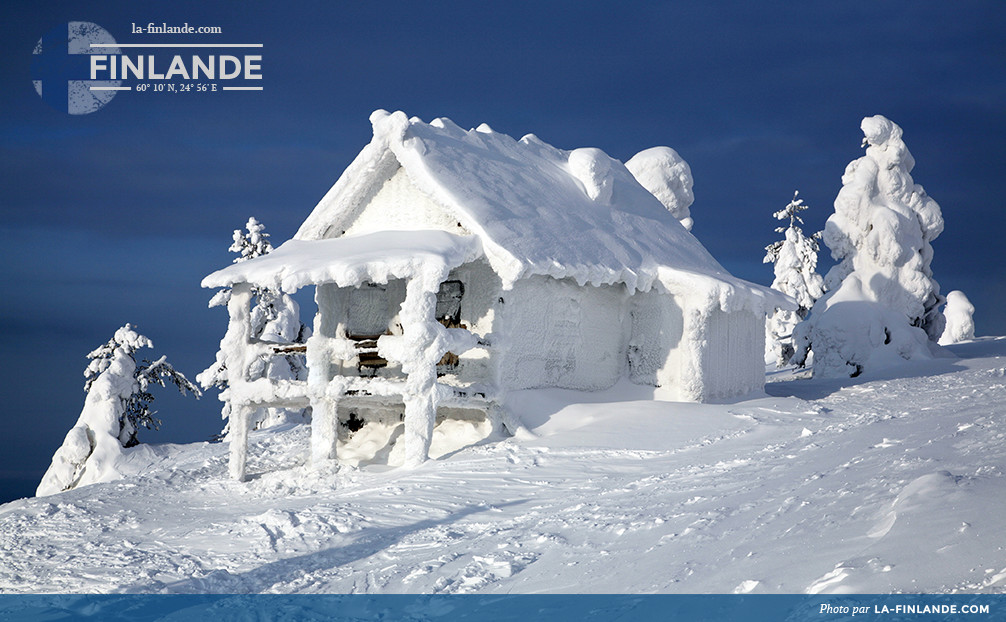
x=536 y=209
x=868 y=485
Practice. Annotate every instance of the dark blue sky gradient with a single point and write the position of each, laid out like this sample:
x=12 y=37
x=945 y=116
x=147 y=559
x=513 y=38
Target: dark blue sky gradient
x=116 y=216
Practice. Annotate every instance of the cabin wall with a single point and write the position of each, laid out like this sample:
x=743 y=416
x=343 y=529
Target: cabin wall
x=655 y=353
x=400 y=206
x=733 y=357
x=546 y=332
x=483 y=289
x=555 y=333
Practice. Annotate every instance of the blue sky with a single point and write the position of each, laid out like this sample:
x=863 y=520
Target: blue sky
x=115 y=216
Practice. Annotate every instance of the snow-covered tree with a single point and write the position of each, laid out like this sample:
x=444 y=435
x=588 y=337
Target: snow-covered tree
x=252 y=244
x=668 y=177
x=138 y=411
x=795 y=259
x=275 y=318
x=882 y=304
x=116 y=405
x=960 y=322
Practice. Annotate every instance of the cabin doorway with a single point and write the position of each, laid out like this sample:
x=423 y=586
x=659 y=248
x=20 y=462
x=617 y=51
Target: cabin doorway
x=368 y=320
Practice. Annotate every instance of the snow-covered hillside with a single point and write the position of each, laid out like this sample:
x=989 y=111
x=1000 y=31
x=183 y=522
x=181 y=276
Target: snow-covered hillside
x=865 y=485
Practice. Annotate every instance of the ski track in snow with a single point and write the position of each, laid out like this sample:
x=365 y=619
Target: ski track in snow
x=822 y=487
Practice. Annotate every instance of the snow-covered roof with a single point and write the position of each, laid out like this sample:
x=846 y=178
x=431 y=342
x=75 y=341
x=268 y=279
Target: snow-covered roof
x=536 y=209
x=374 y=257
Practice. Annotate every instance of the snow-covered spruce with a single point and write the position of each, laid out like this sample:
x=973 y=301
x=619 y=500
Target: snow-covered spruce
x=882 y=304
x=252 y=244
x=275 y=318
x=960 y=323
x=795 y=259
x=117 y=404
x=668 y=177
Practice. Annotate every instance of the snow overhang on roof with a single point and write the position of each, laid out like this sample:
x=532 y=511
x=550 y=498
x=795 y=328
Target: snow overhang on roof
x=351 y=261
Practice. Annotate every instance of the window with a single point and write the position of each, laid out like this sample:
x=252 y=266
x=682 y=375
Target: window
x=449 y=303
x=449 y=314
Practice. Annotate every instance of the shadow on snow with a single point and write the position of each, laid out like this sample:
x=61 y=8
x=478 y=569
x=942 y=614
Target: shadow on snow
x=262 y=578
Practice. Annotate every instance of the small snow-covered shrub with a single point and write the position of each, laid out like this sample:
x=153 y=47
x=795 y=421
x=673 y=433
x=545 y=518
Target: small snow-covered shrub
x=960 y=323
x=795 y=259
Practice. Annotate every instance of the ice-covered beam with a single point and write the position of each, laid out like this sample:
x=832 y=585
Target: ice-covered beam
x=400 y=348
x=266 y=393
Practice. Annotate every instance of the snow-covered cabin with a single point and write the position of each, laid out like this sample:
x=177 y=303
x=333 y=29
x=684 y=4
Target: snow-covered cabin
x=454 y=266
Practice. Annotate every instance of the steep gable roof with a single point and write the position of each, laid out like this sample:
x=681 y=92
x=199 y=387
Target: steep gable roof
x=537 y=209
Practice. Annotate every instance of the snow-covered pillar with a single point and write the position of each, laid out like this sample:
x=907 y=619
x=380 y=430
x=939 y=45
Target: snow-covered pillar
x=240 y=422
x=324 y=430
x=236 y=344
x=420 y=330
x=324 y=394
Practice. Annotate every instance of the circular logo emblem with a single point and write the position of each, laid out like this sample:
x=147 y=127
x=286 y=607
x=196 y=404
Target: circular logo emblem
x=61 y=68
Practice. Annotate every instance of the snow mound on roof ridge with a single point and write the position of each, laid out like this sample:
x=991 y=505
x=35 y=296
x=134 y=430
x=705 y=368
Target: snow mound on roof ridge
x=593 y=168
x=387 y=124
x=668 y=177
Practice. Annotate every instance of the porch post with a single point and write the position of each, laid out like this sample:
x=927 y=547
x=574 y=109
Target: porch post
x=419 y=331
x=322 y=369
x=236 y=344
x=324 y=429
x=238 y=437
